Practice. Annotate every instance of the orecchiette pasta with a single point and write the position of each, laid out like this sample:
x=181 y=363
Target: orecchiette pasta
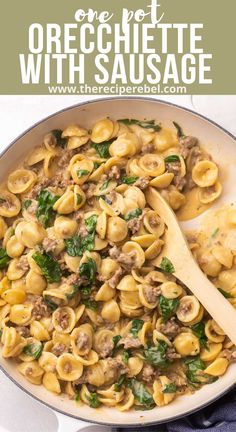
x=83 y=309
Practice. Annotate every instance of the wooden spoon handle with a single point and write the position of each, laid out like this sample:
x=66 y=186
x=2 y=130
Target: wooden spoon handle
x=211 y=299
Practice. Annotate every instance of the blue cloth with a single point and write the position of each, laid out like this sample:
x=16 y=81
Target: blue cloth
x=220 y=416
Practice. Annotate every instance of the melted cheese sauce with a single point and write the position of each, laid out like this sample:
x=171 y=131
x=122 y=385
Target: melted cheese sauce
x=192 y=207
x=217 y=227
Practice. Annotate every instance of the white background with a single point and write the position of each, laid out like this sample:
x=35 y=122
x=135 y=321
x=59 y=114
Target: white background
x=18 y=412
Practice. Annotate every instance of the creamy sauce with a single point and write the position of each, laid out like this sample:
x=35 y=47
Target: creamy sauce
x=192 y=207
x=216 y=229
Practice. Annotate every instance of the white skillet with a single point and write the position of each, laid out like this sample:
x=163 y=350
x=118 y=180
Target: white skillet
x=221 y=145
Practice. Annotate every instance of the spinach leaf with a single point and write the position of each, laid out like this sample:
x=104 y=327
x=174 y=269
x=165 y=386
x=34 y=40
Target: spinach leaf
x=166 y=265
x=4 y=258
x=73 y=293
x=194 y=373
x=215 y=233
x=140 y=393
x=34 y=350
x=168 y=307
x=77 y=397
x=76 y=246
x=116 y=339
x=133 y=214
x=225 y=293
x=87 y=243
x=103 y=148
x=91 y=223
x=45 y=213
x=169 y=388
x=120 y=382
x=81 y=173
x=125 y=356
x=90 y=304
x=85 y=291
x=88 y=270
x=144 y=124
x=137 y=324
x=73 y=246
x=199 y=330
x=180 y=133
x=156 y=355
x=26 y=204
x=78 y=199
x=93 y=400
x=2 y=200
x=96 y=164
x=129 y=180
x=172 y=158
x=61 y=142
x=104 y=185
x=49 y=266
x=47 y=299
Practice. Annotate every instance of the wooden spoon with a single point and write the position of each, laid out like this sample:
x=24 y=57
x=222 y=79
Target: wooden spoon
x=187 y=270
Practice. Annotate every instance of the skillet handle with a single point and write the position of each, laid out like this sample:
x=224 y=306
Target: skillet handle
x=68 y=424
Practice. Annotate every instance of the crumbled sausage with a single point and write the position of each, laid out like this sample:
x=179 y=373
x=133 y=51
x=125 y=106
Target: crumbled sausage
x=90 y=190
x=118 y=365
x=173 y=167
x=130 y=342
x=29 y=371
x=134 y=225
x=106 y=349
x=40 y=308
x=177 y=379
x=229 y=355
x=32 y=208
x=142 y=182
x=49 y=245
x=114 y=280
x=187 y=143
x=148 y=373
x=127 y=261
x=170 y=328
x=67 y=367
x=63 y=318
x=171 y=354
x=23 y=263
x=83 y=230
x=59 y=348
x=154 y=221
x=114 y=172
x=42 y=184
x=83 y=379
x=73 y=279
x=82 y=341
x=151 y=293
x=78 y=215
x=65 y=158
x=60 y=181
x=148 y=148
x=114 y=252
x=23 y=331
x=179 y=182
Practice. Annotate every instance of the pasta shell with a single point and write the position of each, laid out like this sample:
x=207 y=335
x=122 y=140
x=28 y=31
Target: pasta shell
x=188 y=309
x=68 y=367
x=10 y=205
x=102 y=130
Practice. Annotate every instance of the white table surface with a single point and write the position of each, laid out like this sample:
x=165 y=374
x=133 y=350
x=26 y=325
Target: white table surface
x=19 y=412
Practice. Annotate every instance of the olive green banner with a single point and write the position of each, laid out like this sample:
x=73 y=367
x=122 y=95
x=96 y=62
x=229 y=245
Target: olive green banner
x=137 y=47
